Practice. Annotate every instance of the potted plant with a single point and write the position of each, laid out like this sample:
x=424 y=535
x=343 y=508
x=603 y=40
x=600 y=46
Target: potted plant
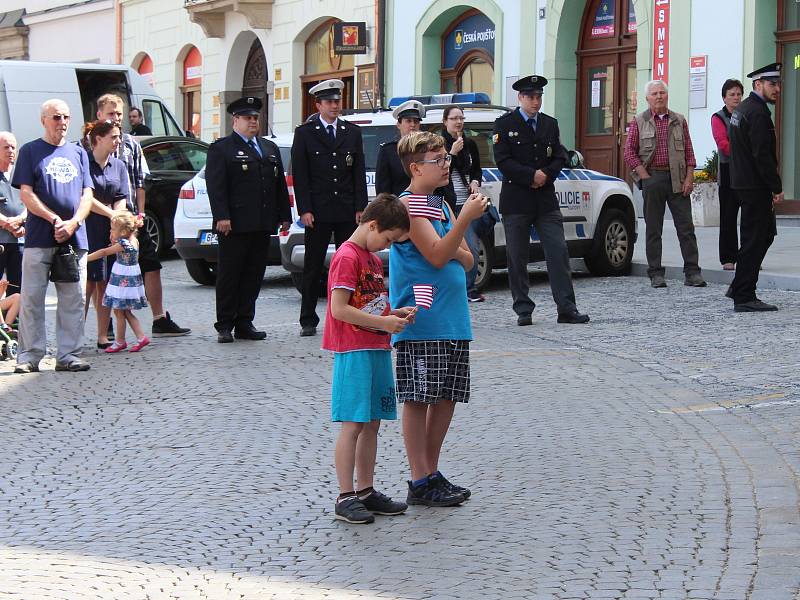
x=705 y=196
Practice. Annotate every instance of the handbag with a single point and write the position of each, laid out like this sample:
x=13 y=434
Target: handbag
x=64 y=267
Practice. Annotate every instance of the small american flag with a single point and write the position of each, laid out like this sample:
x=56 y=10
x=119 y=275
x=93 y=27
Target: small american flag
x=423 y=295
x=429 y=207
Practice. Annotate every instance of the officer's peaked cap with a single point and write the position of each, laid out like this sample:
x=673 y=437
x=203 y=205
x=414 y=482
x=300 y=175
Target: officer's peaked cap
x=330 y=89
x=770 y=72
x=530 y=84
x=248 y=105
x=410 y=109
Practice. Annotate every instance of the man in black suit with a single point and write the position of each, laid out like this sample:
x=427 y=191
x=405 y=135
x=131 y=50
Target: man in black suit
x=389 y=173
x=756 y=182
x=529 y=154
x=330 y=188
x=249 y=198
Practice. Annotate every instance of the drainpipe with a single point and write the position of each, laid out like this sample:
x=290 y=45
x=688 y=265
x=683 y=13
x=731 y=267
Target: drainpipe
x=118 y=32
x=380 y=53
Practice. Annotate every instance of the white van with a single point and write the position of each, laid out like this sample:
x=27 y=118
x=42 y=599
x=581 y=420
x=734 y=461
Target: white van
x=25 y=85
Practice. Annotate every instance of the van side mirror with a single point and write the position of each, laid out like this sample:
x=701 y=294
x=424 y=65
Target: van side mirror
x=575 y=159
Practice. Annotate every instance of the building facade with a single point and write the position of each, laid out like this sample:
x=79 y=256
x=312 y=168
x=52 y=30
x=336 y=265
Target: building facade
x=201 y=55
x=597 y=56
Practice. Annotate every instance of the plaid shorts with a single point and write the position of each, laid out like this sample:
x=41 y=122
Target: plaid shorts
x=432 y=370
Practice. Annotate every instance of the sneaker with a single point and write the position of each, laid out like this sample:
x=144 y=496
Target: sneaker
x=433 y=493
x=380 y=504
x=475 y=296
x=456 y=489
x=75 y=366
x=352 y=510
x=140 y=344
x=26 y=368
x=166 y=327
x=694 y=280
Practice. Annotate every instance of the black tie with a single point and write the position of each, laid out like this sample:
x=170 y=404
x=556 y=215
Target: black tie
x=330 y=133
x=533 y=125
x=252 y=144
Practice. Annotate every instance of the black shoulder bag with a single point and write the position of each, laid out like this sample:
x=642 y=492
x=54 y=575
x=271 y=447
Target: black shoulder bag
x=64 y=268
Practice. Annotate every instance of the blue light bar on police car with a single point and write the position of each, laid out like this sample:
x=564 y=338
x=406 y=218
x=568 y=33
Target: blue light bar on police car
x=459 y=98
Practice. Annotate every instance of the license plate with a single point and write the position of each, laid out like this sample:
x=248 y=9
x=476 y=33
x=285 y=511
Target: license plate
x=208 y=238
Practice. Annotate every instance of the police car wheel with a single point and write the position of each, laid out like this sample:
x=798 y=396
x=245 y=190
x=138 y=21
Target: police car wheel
x=297 y=281
x=202 y=271
x=612 y=250
x=485 y=263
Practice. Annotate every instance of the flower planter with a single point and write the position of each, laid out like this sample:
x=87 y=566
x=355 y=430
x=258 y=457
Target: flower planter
x=705 y=204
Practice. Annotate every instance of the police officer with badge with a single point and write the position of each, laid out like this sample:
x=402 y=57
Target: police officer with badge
x=529 y=154
x=756 y=183
x=330 y=188
x=249 y=198
x=389 y=173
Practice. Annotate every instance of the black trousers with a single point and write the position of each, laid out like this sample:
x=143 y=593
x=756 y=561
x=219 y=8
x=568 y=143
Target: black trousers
x=11 y=265
x=550 y=227
x=728 y=216
x=242 y=260
x=758 y=232
x=317 y=239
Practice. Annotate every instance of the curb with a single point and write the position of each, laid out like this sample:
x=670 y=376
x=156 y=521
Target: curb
x=766 y=280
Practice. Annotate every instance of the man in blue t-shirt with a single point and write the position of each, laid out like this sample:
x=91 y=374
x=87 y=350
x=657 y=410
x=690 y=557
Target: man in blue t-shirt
x=56 y=187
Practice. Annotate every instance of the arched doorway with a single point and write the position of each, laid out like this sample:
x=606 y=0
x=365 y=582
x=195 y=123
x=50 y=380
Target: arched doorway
x=468 y=55
x=321 y=64
x=254 y=81
x=607 y=92
x=192 y=69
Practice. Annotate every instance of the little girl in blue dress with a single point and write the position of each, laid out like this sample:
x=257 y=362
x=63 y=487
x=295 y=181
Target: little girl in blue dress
x=125 y=290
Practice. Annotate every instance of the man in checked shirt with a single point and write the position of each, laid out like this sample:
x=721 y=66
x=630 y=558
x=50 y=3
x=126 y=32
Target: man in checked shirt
x=660 y=155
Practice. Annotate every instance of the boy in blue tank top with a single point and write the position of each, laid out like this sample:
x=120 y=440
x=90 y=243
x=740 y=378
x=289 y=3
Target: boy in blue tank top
x=433 y=353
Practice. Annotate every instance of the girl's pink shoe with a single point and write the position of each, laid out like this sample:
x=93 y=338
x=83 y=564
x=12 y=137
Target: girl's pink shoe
x=116 y=347
x=140 y=344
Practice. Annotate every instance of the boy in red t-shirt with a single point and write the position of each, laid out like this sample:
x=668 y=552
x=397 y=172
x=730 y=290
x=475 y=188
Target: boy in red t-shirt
x=358 y=325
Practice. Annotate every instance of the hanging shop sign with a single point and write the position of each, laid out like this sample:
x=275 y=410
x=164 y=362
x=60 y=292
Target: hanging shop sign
x=661 y=40
x=604 y=17
x=349 y=38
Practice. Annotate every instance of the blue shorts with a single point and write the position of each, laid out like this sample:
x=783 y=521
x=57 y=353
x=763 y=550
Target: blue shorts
x=363 y=386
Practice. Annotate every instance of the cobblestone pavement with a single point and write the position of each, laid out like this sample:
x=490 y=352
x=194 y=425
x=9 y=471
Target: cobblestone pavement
x=651 y=454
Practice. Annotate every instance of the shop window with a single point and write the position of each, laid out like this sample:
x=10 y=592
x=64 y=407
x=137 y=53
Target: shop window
x=477 y=76
x=191 y=89
x=468 y=55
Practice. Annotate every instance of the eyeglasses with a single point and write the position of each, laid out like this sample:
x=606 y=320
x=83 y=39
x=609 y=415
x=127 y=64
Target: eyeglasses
x=440 y=162
x=60 y=117
x=455 y=118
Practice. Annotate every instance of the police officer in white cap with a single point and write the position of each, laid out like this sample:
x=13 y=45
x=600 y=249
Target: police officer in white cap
x=756 y=183
x=389 y=173
x=330 y=188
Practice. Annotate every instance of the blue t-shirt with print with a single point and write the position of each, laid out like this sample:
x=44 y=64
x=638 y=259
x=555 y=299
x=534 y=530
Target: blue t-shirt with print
x=448 y=317
x=58 y=175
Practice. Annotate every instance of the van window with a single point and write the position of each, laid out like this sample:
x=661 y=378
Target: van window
x=158 y=119
x=373 y=138
x=93 y=83
x=481 y=133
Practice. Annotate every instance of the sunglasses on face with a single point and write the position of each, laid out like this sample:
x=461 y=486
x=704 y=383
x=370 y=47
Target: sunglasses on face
x=60 y=117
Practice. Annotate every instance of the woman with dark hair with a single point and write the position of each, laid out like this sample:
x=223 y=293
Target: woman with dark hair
x=110 y=177
x=732 y=91
x=465 y=178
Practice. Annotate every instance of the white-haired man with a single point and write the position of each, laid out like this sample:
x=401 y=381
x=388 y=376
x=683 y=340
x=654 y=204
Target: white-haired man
x=56 y=187
x=661 y=158
x=12 y=216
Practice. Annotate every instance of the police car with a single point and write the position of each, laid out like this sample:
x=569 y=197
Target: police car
x=599 y=212
x=195 y=241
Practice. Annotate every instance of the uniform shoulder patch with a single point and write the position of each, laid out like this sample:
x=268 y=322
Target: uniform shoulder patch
x=495 y=138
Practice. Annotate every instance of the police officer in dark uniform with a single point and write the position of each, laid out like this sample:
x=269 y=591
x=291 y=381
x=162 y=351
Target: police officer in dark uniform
x=529 y=154
x=330 y=188
x=756 y=183
x=249 y=198
x=389 y=173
